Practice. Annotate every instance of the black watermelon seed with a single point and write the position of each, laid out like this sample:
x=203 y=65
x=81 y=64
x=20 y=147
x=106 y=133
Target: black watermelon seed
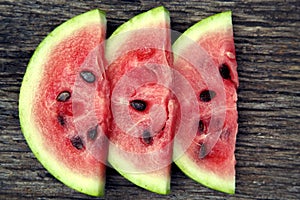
x=88 y=76
x=61 y=119
x=163 y=128
x=147 y=138
x=207 y=95
x=202 y=152
x=224 y=71
x=63 y=96
x=77 y=142
x=92 y=133
x=138 y=105
x=201 y=126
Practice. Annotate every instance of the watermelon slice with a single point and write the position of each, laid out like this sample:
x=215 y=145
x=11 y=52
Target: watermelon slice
x=139 y=59
x=64 y=103
x=205 y=56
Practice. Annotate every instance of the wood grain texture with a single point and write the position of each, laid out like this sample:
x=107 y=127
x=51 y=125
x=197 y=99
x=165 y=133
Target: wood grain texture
x=267 y=45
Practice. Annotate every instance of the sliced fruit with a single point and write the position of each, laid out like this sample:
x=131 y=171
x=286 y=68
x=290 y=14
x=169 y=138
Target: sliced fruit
x=64 y=103
x=140 y=147
x=205 y=56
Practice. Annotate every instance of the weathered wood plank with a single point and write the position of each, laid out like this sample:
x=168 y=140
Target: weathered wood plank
x=267 y=44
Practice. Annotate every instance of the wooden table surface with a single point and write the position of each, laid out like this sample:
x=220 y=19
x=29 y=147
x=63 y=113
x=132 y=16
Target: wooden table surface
x=268 y=54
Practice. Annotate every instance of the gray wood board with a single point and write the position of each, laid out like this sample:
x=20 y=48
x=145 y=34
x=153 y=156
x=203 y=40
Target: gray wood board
x=267 y=46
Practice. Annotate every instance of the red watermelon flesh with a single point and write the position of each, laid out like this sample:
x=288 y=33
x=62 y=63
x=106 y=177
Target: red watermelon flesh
x=142 y=108
x=140 y=82
x=64 y=103
x=211 y=71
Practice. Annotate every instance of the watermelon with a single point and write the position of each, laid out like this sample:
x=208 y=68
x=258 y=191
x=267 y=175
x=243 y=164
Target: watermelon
x=205 y=56
x=133 y=105
x=140 y=141
x=64 y=103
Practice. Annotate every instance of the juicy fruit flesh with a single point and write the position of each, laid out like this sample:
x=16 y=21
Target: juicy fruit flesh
x=220 y=158
x=142 y=128
x=57 y=120
x=220 y=47
x=218 y=161
x=151 y=122
x=44 y=114
x=222 y=153
x=138 y=54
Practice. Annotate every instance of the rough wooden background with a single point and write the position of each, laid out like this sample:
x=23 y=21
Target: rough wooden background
x=267 y=45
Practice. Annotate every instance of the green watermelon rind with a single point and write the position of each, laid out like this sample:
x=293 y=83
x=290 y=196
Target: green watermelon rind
x=215 y=23
x=146 y=20
x=204 y=176
x=150 y=180
x=143 y=20
x=33 y=75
